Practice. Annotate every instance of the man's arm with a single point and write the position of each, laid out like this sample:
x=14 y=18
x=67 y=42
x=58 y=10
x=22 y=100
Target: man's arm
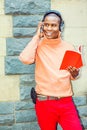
x=27 y=56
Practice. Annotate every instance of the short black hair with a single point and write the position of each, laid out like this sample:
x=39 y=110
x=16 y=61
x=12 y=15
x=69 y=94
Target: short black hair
x=56 y=13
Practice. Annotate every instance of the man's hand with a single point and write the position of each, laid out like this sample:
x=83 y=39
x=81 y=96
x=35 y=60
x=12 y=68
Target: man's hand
x=73 y=71
x=39 y=31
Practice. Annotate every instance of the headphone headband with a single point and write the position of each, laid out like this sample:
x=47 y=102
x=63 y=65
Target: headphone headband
x=52 y=12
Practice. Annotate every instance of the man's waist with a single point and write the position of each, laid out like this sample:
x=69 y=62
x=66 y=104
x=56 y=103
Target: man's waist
x=42 y=97
x=56 y=91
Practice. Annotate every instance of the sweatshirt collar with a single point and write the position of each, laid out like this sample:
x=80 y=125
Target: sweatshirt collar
x=52 y=41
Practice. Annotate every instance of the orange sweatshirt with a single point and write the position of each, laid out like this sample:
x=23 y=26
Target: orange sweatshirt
x=47 y=55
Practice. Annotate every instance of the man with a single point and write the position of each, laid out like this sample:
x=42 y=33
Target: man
x=54 y=102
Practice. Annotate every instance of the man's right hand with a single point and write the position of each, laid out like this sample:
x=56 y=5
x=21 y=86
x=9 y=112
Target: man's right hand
x=40 y=32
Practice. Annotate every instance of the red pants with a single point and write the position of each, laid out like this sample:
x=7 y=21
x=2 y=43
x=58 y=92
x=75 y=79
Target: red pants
x=51 y=112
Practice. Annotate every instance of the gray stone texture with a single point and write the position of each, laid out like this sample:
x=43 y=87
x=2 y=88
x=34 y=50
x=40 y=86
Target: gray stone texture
x=26 y=21
x=84 y=122
x=5 y=127
x=26 y=6
x=6 y=119
x=26 y=126
x=80 y=100
x=6 y=114
x=6 y=108
x=14 y=66
x=27 y=80
x=14 y=46
x=24 y=32
x=83 y=111
x=25 y=116
x=23 y=105
x=25 y=93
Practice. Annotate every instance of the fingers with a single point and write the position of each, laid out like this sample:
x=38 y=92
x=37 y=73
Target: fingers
x=40 y=26
x=73 y=70
x=39 y=31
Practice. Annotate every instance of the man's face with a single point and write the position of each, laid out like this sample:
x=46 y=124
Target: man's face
x=51 y=26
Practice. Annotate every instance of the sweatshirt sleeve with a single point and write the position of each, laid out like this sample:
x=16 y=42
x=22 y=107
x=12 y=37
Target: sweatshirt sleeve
x=27 y=56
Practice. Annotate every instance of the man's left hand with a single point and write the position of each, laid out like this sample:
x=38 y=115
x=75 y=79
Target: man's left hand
x=73 y=71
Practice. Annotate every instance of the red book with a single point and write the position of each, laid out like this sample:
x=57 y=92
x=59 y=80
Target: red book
x=71 y=58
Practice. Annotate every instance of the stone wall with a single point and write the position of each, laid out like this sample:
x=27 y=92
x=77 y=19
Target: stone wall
x=18 y=27
x=19 y=19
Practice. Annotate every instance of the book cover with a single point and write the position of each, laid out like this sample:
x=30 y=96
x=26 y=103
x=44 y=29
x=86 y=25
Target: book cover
x=71 y=58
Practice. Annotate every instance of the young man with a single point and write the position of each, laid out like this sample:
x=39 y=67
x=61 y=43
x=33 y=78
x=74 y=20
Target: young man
x=54 y=102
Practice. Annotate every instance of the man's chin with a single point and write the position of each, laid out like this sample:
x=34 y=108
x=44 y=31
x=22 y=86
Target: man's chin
x=49 y=37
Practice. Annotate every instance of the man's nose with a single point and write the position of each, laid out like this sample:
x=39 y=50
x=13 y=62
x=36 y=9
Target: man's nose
x=49 y=28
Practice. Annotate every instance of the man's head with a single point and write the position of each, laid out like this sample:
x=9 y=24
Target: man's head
x=56 y=13
x=52 y=24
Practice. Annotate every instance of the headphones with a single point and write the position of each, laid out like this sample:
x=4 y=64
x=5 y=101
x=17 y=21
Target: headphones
x=61 y=26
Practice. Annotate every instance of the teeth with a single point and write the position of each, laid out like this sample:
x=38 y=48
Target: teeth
x=49 y=33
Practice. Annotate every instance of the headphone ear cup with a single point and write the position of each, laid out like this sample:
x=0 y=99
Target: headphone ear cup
x=61 y=27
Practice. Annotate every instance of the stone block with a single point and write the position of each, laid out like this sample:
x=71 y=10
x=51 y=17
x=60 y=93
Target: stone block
x=84 y=122
x=23 y=105
x=26 y=7
x=27 y=126
x=80 y=100
x=25 y=92
x=5 y=127
x=82 y=111
x=24 y=32
x=27 y=80
x=6 y=119
x=25 y=116
x=15 y=45
x=14 y=66
x=6 y=108
x=26 y=21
